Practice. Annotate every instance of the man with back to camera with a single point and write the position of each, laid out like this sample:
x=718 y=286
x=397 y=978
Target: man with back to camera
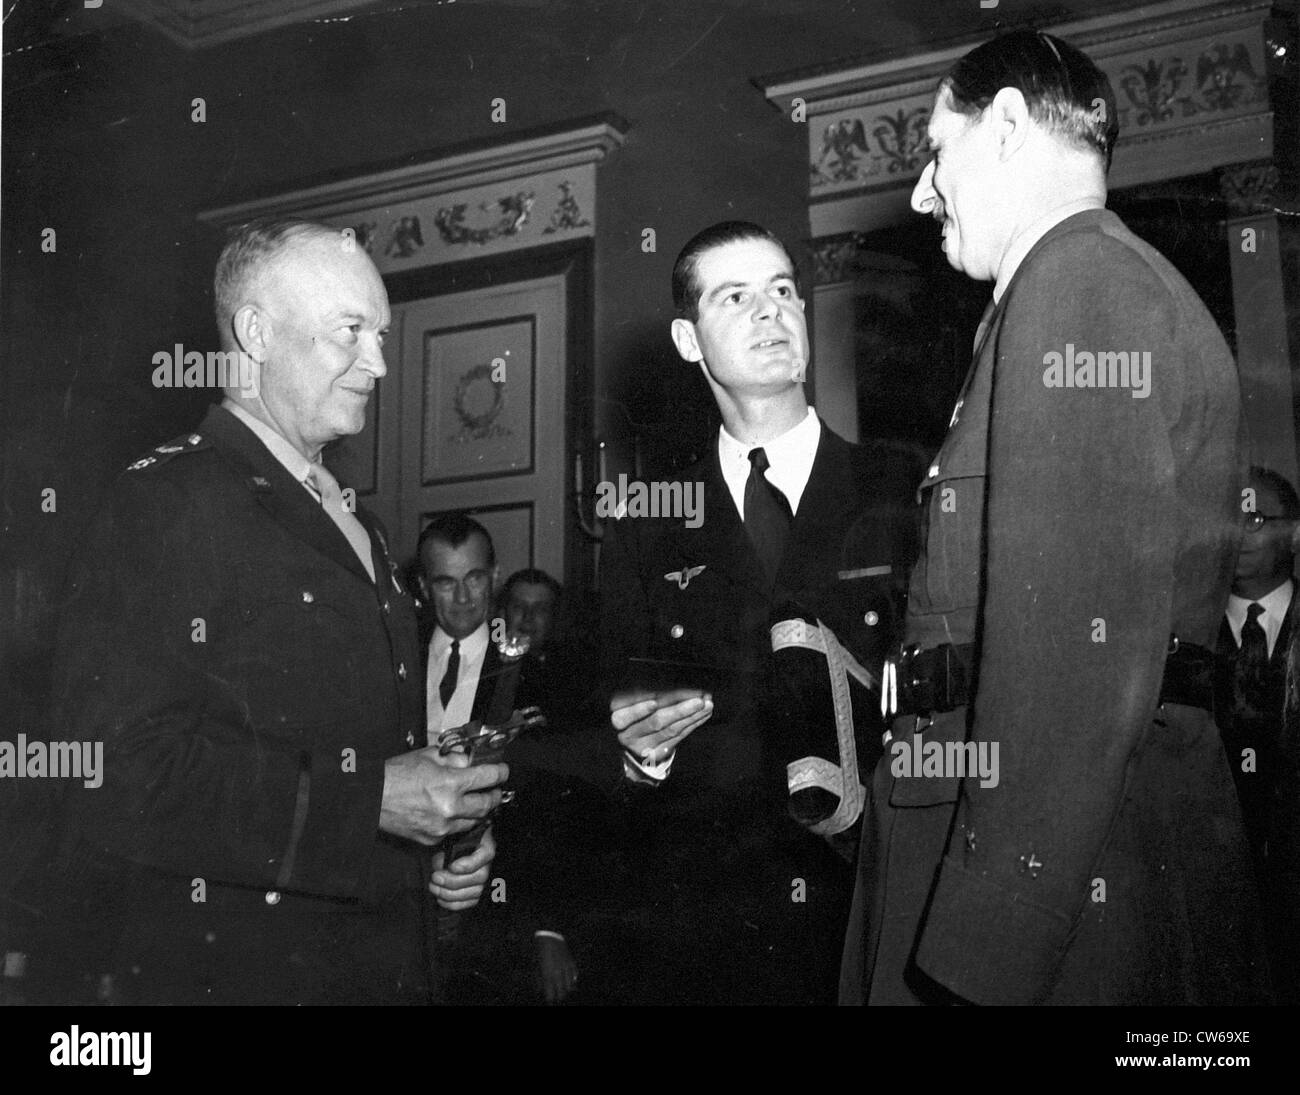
x=234 y=633
x=738 y=903
x=1081 y=520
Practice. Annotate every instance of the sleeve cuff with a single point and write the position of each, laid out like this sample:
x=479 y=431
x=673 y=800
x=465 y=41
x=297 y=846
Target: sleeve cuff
x=638 y=771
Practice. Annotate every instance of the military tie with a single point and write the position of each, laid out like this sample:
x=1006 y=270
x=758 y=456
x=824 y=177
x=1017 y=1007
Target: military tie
x=983 y=329
x=448 y=686
x=331 y=500
x=767 y=514
x=1252 y=664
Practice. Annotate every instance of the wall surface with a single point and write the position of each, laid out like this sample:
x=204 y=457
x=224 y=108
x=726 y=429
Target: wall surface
x=99 y=143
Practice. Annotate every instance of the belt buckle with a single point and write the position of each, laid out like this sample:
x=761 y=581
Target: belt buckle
x=895 y=668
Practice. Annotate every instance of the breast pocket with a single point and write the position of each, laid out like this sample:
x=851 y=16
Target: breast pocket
x=294 y=664
x=949 y=568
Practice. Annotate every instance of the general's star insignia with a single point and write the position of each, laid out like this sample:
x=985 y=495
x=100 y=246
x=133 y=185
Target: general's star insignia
x=683 y=577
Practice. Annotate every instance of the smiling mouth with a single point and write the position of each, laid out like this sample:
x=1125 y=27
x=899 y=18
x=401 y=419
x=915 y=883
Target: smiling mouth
x=768 y=343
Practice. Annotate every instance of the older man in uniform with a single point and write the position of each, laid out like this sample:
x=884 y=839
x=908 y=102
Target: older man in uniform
x=234 y=633
x=1081 y=519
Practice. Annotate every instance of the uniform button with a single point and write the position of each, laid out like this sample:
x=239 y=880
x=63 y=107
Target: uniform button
x=677 y=631
x=871 y=619
x=211 y=937
x=385 y=606
x=934 y=470
x=401 y=671
x=272 y=898
x=410 y=738
x=307 y=596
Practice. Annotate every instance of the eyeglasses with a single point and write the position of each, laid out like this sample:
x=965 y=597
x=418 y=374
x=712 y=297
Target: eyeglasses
x=1256 y=521
x=476 y=582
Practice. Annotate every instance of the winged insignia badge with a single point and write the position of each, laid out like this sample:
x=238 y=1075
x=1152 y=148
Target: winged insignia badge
x=683 y=577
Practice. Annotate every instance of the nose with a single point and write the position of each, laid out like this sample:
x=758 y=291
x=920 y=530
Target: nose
x=372 y=357
x=461 y=596
x=923 y=194
x=765 y=305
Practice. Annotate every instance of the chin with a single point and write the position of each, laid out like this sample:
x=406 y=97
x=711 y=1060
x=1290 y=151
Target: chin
x=350 y=425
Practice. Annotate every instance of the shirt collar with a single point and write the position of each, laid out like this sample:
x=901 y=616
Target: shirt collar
x=797 y=445
x=1024 y=243
x=790 y=458
x=294 y=462
x=1274 y=604
x=472 y=646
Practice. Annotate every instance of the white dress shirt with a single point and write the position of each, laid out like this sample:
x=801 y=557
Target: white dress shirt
x=1275 y=606
x=473 y=650
x=789 y=457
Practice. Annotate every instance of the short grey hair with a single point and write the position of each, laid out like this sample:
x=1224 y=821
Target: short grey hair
x=249 y=248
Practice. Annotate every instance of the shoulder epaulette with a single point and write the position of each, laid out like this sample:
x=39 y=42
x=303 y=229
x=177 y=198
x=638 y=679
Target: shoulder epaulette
x=190 y=442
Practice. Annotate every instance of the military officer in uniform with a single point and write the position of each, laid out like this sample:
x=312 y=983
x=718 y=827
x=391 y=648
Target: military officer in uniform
x=800 y=529
x=234 y=634
x=1080 y=525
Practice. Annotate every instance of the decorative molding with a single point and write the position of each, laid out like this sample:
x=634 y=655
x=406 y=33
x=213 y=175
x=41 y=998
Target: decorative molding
x=1190 y=79
x=480 y=202
x=195 y=25
x=1249 y=188
x=833 y=258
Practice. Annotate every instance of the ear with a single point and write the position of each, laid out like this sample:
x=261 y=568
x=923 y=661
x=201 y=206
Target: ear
x=252 y=331
x=1009 y=114
x=685 y=341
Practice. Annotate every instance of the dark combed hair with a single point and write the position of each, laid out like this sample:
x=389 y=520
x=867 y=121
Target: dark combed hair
x=1065 y=92
x=686 y=287
x=1280 y=485
x=248 y=248
x=533 y=576
x=454 y=529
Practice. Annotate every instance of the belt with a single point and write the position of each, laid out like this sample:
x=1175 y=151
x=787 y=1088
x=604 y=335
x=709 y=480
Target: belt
x=930 y=682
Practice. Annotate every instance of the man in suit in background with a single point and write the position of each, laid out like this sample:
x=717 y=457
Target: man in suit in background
x=458 y=573
x=1252 y=648
x=233 y=633
x=458 y=576
x=737 y=902
x=1256 y=641
x=1081 y=522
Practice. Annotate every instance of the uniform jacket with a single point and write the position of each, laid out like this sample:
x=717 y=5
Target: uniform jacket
x=699 y=595
x=1068 y=533
x=248 y=680
x=713 y=847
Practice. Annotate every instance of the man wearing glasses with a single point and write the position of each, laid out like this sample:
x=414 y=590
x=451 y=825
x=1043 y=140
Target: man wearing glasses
x=1256 y=638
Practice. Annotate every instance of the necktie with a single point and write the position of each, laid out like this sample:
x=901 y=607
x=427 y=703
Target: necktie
x=448 y=685
x=983 y=328
x=331 y=500
x=767 y=514
x=1252 y=664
